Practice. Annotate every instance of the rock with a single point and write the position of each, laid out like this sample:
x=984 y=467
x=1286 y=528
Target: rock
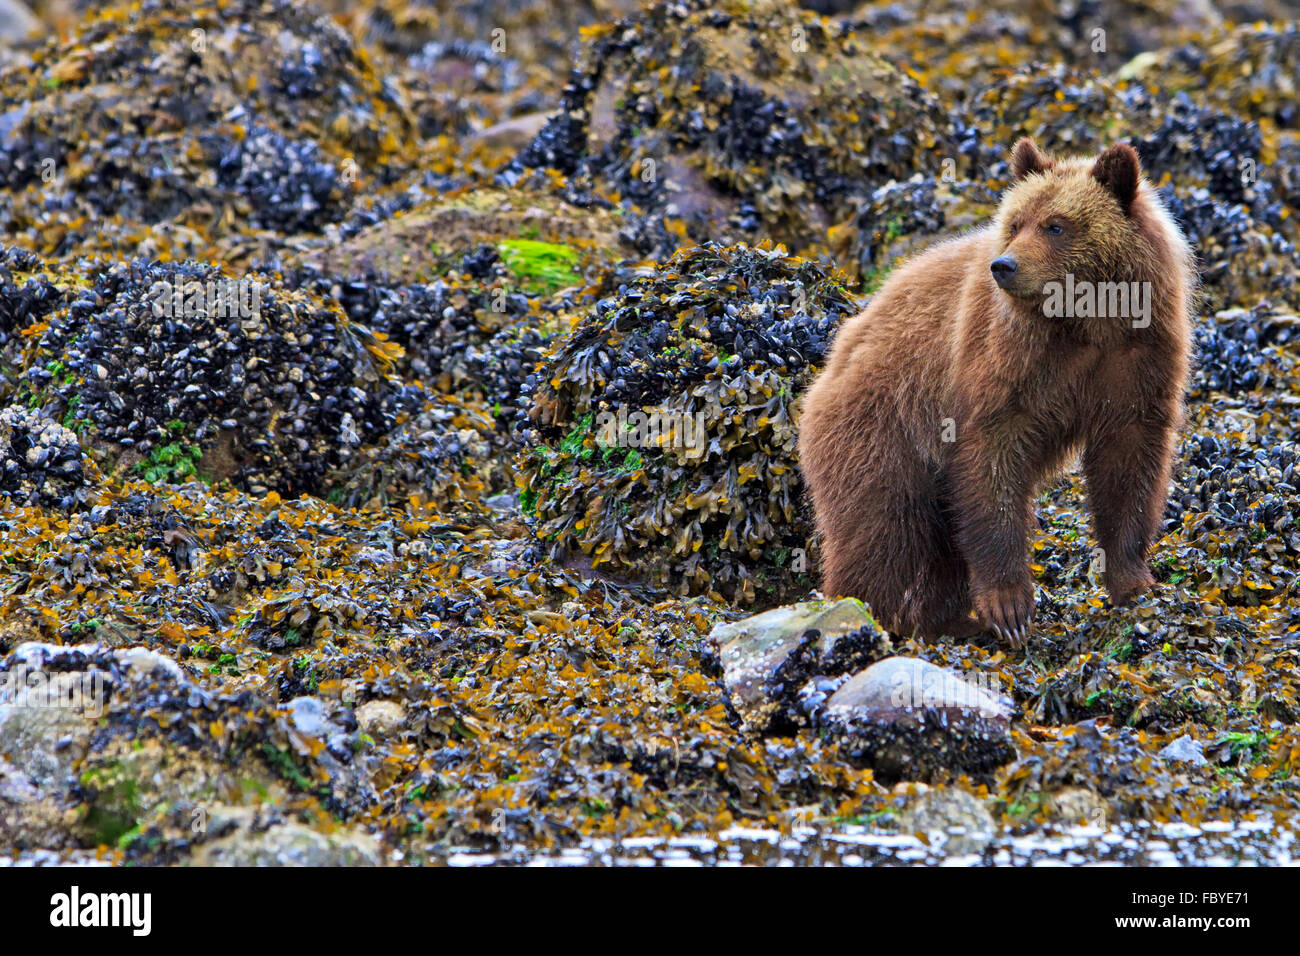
x=662 y=449
x=279 y=138
x=28 y=818
x=144 y=662
x=908 y=719
x=514 y=133
x=457 y=224
x=17 y=22
x=754 y=135
x=1185 y=750
x=45 y=743
x=907 y=683
x=124 y=786
x=766 y=658
x=957 y=818
x=18 y=626
x=285 y=844
x=1078 y=805
x=275 y=378
x=308 y=716
x=381 y=718
x=503 y=503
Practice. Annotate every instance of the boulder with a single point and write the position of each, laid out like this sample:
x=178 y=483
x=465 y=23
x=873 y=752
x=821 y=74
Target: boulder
x=908 y=719
x=766 y=658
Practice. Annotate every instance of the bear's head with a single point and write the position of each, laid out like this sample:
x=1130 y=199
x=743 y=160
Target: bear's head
x=1066 y=221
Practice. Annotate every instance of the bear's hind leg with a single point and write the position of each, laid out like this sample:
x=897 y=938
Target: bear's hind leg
x=939 y=600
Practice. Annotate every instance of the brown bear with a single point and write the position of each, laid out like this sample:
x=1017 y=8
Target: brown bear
x=979 y=368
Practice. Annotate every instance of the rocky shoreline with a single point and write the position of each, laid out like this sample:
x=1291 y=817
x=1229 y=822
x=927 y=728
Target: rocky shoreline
x=331 y=533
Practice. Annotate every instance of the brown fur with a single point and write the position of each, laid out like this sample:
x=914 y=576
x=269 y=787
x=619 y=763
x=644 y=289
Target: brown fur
x=924 y=529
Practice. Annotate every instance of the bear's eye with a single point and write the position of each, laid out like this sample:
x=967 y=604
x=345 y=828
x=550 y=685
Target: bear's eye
x=1053 y=228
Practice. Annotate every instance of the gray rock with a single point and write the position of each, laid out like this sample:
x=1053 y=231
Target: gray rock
x=16 y=786
x=144 y=662
x=766 y=658
x=308 y=716
x=909 y=683
x=17 y=22
x=910 y=720
x=29 y=818
x=288 y=844
x=504 y=503
x=1078 y=805
x=514 y=133
x=44 y=743
x=956 y=819
x=381 y=718
x=124 y=785
x=1185 y=750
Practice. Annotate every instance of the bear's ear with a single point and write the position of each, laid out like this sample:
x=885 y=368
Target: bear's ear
x=1120 y=171
x=1026 y=159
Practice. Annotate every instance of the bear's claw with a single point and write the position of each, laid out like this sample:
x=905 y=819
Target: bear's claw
x=1007 y=610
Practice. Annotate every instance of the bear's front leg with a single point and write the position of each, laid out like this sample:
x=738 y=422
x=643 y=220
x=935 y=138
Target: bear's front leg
x=1127 y=468
x=991 y=500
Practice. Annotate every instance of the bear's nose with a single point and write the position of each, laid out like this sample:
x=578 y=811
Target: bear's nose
x=1004 y=269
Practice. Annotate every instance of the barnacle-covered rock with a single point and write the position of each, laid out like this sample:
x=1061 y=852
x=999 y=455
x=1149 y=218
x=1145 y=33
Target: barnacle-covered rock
x=947 y=49
x=1237 y=350
x=766 y=659
x=902 y=218
x=1193 y=146
x=27 y=295
x=40 y=460
x=1065 y=110
x=908 y=719
x=1241 y=259
x=1073 y=111
x=736 y=120
x=178 y=370
x=479 y=337
x=1181 y=140
x=1249 y=71
x=439 y=451
x=518 y=51
x=661 y=435
x=1236 y=504
x=241 y=836
x=955 y=47
x=258 y=114
x=418 y=241
x=957 y=818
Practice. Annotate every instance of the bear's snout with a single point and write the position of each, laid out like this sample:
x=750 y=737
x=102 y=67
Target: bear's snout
x=1004 y=270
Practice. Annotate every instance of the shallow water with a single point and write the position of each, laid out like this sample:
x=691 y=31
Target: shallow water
x=1222 y=843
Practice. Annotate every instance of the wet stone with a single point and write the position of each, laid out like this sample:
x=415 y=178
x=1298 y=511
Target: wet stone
x=1185 y=750
x=908 y=719
x=959 y=820
x=381 y=718
x=44 y=743
x=249 y=842
x=766 y=658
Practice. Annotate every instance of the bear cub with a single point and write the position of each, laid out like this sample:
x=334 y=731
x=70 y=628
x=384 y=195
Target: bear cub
x=976 y=372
